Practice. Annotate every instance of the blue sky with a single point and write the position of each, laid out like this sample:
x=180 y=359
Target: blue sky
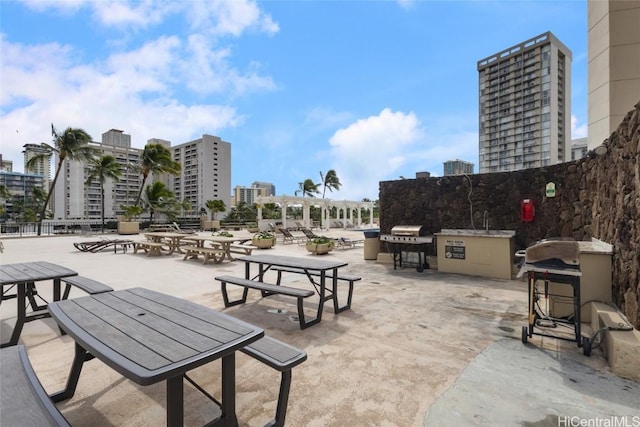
x=373 y=89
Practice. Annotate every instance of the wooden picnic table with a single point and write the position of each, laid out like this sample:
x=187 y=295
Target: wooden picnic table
x=24 y=276
x=150 y=337
x=171 y=238
x=223 y=241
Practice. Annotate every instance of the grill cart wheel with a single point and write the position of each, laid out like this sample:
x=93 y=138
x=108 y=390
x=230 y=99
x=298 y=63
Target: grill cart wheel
x=586 y=346
x=525 y=335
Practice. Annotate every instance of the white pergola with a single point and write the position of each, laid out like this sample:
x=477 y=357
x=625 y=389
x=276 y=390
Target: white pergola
x=347 y=211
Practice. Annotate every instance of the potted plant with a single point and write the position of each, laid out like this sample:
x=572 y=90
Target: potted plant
x=222 y=233
x=263 y=240
x=320 y=245
x=129 y=226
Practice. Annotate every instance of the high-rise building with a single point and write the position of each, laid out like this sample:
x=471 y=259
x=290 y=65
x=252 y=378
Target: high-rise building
x=457 y=167
x=75 y=200
x=20 y=187
x=269 y=188
x=205 y=173
x=41 y=166
x=614 y=65
x=250 y=195
x=116 y=138
x=5 y=165
x=525 y=106
x=578 y=148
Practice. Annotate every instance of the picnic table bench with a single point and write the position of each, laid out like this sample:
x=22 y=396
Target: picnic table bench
x=281 y=357
x=24 y=400
x=266 y=290
x=192 y=252
x=344 y=277
x=88 y=285
x=150 y=248
x=239 y=248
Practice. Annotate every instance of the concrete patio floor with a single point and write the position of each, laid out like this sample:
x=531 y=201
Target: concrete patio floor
x=416 y=349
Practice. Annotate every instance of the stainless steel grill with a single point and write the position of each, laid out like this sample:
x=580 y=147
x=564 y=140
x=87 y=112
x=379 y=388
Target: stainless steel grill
x=408 y=238
x=410 y=234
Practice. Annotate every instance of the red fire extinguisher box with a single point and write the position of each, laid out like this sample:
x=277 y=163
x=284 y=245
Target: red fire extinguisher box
x=527 y=210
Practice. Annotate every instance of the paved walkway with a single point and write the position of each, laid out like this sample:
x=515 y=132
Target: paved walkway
x=416 y=349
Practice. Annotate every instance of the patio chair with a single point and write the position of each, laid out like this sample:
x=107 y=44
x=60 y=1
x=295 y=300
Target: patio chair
x=179 y=230
x=287 y=237
x=308 y=233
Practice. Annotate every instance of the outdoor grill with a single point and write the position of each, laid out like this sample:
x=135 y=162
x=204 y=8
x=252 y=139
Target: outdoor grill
x=408 y=238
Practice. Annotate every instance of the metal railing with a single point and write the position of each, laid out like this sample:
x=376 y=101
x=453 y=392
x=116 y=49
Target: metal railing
x=49 y=228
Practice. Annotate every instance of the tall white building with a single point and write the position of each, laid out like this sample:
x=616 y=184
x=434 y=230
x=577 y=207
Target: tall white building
x=75 y=200
x=42 y=166
x=457 y=167
x=205 y=173
x=250 y=195
x=614 y=65
x=525 y=106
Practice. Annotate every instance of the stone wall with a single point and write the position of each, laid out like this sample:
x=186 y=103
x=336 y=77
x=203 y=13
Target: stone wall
x=598 y=196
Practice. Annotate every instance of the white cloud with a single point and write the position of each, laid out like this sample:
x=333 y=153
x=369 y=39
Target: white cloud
x=406 y=4
x=228 y=17
x=209 y=71
x=134 y=89
x=136 y=14
x=578 y=131
x=130 y=91
x=371 y=150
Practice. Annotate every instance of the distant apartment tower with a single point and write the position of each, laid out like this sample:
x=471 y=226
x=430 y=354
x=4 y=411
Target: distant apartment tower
x=578 y=148
x=20 y=187
x=205 y=173
x=269 y=188
x=250 y=195
x=41 y=166
x=525 y=106
x=457 y=167
x=5 y=165
x=613 y=65
x=116 y=138
x=75 y=200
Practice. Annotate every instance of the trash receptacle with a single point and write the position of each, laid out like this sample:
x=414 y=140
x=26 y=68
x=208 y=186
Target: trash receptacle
x=371 y=244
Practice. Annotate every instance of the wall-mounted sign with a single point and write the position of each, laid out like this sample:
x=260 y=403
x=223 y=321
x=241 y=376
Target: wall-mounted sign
x=454 y=252
x=551 y=189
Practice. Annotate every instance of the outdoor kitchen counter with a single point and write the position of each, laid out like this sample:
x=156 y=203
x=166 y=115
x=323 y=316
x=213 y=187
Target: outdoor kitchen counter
x=486 y=253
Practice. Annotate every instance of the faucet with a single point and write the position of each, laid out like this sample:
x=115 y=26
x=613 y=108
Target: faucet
x=485 y=220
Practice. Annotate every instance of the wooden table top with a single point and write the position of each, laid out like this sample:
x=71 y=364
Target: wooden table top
x=304 y=263
x=32 y=272
x=148 y=336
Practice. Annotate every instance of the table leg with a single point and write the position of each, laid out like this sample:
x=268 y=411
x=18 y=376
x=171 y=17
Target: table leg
x=79 y=358
x=227 y=251
x=21 y=315
x=175 y=401
x=229 y=390
x=56 y=289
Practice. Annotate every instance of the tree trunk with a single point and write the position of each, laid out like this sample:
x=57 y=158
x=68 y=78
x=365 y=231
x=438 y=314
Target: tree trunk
x=46 y=202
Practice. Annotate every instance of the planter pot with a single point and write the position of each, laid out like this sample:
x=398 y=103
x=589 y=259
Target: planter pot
x=263 y=243
x=128 y=227
x=319 y=248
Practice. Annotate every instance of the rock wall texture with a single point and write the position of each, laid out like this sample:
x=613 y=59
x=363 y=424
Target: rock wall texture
x=598 y=196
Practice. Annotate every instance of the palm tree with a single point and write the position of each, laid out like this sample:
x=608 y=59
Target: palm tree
x=330 y=181
x=159 y=199
x=215 y=206
x=103 y=168
x=155 y=158
x=308 y=188
x=72 y=144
